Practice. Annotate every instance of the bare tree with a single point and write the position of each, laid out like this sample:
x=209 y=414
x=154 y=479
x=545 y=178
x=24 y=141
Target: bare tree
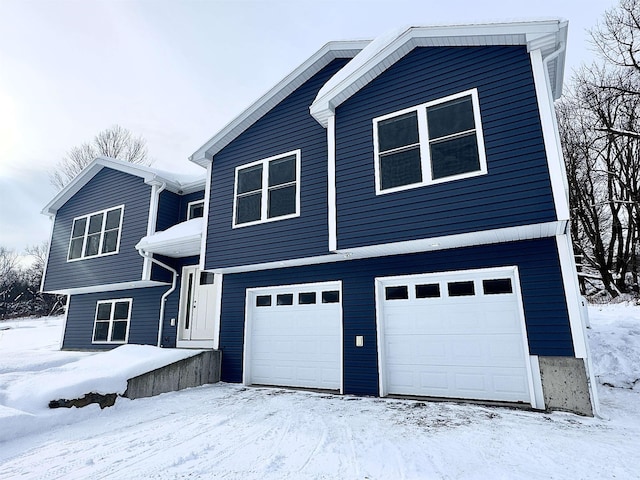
x=115 y=142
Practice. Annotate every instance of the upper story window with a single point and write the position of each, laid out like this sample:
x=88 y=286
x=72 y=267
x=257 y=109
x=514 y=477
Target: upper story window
x=195 y=209
x=430 y=143
x=96 y=234
x=267 y=190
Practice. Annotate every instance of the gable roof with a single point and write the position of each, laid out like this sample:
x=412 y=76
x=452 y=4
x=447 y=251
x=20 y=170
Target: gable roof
x=174 y=182
x=547 y=35
x=315 y=63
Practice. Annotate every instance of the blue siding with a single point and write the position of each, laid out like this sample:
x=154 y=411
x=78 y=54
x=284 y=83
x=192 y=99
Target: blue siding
x=168 y=210
x=143 y=328
x=541 y=283
x=516 y=190
x=184 y=203
x=288 y=126
x=109 y=188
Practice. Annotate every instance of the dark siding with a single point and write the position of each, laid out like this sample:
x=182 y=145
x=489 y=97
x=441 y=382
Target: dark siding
x=168 y=210
x=516 y=190
x=109 y=188
x=184 y=203
x=161 y=274
x=143 y=328
x=541 y=283
x=287 y=127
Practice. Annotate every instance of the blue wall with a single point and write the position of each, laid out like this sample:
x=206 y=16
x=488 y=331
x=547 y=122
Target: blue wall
x=541 y=282
x=517 y=189
x=288 y=126
x=109 y=188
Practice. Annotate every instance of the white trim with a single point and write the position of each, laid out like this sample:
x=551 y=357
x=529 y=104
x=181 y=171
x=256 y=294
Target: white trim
x=218 y=279
x=265 y=189
x=424 y=143
x=64 y=322
x=52 y=219
x=537 y=383
x=190 y=204
x=154 y=202
x=205 y=220
x=332 y=218
x=102 y=234
x=108 y=287
x=111 y=321
x=250 y=295
x=550 y=135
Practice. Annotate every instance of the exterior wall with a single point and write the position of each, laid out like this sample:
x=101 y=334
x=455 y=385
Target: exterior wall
x=172 y=208
x=287 y=127
x=109 y=188
x=517 y=188
x=541 y=284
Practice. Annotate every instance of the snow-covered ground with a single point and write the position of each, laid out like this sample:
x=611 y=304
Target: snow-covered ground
x=234 y=432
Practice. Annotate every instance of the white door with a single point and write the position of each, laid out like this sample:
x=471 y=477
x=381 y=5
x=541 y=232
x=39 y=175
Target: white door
x=197 y=305
x=456 y=335
x=293 y=336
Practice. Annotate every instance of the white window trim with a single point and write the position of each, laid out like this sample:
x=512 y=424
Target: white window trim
x=423 y=136
x=265 y=190
x=102 y=231
x=110 y=331
x=190 y=204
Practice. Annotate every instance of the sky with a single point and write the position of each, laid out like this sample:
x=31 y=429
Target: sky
x=176 y=72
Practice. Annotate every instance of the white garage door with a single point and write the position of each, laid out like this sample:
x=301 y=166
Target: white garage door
x=293 y=336
x=457 y=335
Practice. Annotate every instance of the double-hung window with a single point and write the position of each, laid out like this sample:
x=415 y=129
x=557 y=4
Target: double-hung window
x=112 y=321
x=267 y=190
x=96 y=234
x=430 y=143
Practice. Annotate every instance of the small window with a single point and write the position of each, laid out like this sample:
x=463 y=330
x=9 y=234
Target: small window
x=331 y=296
x=306 y=298
x=96 y=234
x=461 y=289
x=206 y=278
x=263 y=301
x=497 y=286
x=284 y=299
x=396 y=293
x=430 y=290
x=267 y=190
x=195 y=209
x=112 y=321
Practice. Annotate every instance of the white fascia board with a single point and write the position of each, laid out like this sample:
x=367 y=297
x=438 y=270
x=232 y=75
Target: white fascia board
x=109 y=287
x=329 y=52
x=545 y=35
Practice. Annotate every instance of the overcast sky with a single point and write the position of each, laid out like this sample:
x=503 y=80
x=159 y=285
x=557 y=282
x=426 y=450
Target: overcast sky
x=176 y=72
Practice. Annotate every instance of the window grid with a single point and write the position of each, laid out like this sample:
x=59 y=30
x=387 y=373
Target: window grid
x=84 y=235
x=110 y=320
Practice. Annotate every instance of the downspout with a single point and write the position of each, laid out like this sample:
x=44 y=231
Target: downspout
x=166 y=294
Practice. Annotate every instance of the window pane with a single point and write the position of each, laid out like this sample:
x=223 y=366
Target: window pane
x=398 y=131
x=285 y=299
x=396 y=293
x=461 y=289
x=282 y=201
x=455 y=156
x=282 y=171
x=431 y=290
x=95 y=223
x=121 y=311
x=307 y=298
x=263 y=301
x=401 y=168
x=196 y=210
x=78 y=227
x=104 y=311
x=250 y=179
x=113 y=219
x=450 y=117
x=497 y=286
x=101 y=332
x=119 y=331
x=206 y=278
x=110 y=241
x=76 y=248
x=93 y=243
x=331 y=296
x=248 y=208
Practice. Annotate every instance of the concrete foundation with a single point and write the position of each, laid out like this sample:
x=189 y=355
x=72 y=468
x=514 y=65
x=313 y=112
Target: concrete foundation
x=191 y=372
x=565 y=385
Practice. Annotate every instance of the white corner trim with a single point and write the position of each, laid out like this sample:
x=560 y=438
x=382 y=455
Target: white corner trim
x=154 y=201
x=553 y=149
x=331 y=186
x=205 y=222
x=52 y=219
x=217 y=280
x=380 y=325
x=64 y=322
x=537 y=383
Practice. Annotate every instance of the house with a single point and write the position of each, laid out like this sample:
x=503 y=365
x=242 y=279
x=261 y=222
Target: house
x=389 y=219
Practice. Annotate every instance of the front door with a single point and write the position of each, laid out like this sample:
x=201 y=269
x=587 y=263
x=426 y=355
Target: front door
x=197 y=308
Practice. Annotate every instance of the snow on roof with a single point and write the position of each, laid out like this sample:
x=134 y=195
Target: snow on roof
x=181 y=240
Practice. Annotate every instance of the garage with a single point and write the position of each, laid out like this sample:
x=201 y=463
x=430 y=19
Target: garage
x=454 y=335
x=293 y=336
